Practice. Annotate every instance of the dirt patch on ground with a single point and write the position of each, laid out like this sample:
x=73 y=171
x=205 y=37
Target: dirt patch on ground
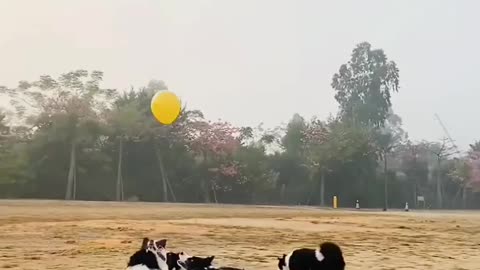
x=91 y=235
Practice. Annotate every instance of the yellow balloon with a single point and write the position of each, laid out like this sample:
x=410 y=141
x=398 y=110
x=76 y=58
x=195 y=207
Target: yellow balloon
x=166 y=107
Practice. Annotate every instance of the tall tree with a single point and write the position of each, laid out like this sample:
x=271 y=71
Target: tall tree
x=213 y=143
x=160 y=137
x=317 y=152
x=336 y=145
x=292 y=170
x=441 y=151
x=13 y=163
x=126 y=123
x=388 y=137
x=67 y=108
x=257 y=177
x=415 y=166
x=364 y=85
x=461 y=173
x=474 y=172
x=294 y=137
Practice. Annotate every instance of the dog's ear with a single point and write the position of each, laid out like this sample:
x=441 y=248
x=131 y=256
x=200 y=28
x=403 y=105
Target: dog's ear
x=144 y=243
x=281 y=261
x=210 y=259
x=161 y=243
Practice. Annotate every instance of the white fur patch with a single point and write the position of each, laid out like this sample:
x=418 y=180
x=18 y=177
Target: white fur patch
x=319 y=255
x=287 y=261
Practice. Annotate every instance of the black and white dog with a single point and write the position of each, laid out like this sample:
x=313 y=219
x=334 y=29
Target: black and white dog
x=327 y=257
x=152 y=255
x=196 y=263
x=199 y=263
x=174 y=260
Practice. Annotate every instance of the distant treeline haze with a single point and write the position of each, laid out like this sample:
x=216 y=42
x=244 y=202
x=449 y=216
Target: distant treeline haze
x=69 y=138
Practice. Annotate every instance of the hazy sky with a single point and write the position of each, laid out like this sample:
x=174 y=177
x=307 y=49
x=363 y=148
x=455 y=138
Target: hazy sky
x=251 y=61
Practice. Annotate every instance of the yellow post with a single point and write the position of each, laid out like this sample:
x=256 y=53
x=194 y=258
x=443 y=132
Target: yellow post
x=335 y=202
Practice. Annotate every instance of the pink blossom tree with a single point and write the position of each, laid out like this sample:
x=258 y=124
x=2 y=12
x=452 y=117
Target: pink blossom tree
x=467 y=174
x=213 y=144
x=474 y=164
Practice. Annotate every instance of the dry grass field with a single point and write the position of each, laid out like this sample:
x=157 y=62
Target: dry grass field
x=99 y=235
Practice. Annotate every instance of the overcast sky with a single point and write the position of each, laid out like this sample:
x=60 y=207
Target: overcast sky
x=251 y=61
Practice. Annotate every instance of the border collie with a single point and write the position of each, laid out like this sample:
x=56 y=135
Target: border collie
x=173 y=260
x=196 y=263
x=327 y=257
x=199 y=263
x=152 y=255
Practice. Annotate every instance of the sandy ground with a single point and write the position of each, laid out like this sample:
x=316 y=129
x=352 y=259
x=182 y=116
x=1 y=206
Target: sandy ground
x=95 y=235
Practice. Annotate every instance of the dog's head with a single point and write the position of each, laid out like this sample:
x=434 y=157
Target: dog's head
x=330 y=255
x=282 y=264
x=196 y=263
x=173 y=259
x=157 y=247
x=151 y=254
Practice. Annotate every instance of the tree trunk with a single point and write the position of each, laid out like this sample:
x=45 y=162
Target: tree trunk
x=205 y=184
x=322 y=188
x=171 y=189
x=162 y=174
x=415 y=195
x=282 y=193
x=71 y=178
x=455 y=201
x=206 y=191
x=439 y=187
x=385 y=174
x=214 y=192
x=75 y=178
x=119 y=187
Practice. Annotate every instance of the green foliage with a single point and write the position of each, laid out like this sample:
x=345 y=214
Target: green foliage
x=364 y=85
x=108 y=146
x=294 y=136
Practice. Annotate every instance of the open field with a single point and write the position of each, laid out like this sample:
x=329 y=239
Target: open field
x=100 y=235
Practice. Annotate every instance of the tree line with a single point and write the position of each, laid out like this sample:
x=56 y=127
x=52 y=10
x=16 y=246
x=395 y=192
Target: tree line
x=70 y=138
